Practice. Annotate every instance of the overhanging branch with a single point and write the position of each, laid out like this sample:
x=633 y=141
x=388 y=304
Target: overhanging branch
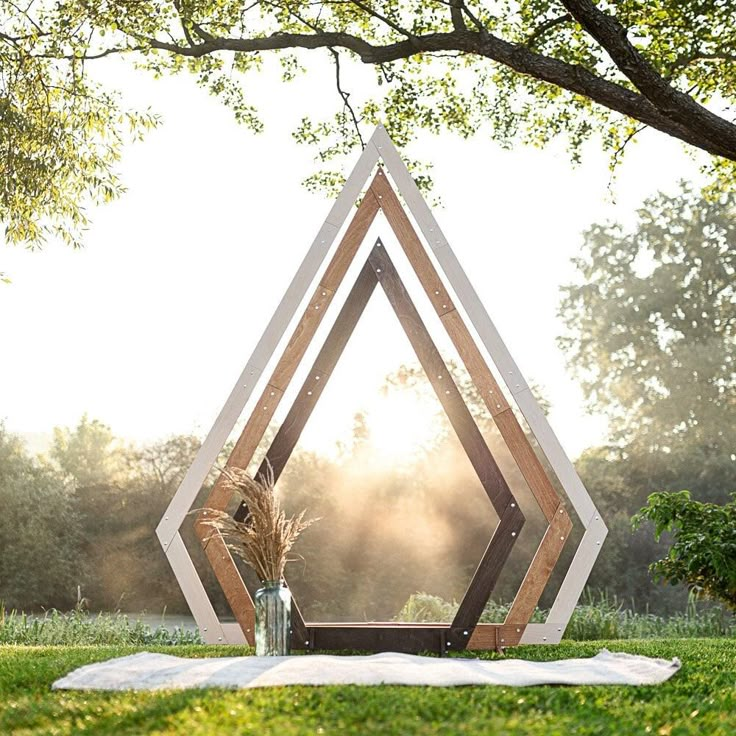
x=669 y=101
x=571 y=77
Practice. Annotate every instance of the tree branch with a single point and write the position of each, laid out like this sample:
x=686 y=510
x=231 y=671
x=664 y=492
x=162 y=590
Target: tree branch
x=669 y=101
x=456 y=14
x=547 y=25
x=572 y=77
x=346 y=97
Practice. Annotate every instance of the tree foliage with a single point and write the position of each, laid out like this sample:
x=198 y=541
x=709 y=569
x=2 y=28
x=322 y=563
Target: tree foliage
x=703 y=551
x=652 y=323
x=39 y=531
x=650 y=333
x=518 y=70
x=89 y=454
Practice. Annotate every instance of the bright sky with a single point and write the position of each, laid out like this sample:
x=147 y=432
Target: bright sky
x=148 y=326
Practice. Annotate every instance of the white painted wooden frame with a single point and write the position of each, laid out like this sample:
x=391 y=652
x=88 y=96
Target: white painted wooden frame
x=380 y=147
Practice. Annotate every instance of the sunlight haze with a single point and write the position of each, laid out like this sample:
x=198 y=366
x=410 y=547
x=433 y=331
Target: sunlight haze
x=149 y=325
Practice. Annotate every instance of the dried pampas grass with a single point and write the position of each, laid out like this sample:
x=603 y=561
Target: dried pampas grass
x=265 y=538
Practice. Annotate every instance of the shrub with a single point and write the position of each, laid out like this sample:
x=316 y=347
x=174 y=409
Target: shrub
x=703 y=552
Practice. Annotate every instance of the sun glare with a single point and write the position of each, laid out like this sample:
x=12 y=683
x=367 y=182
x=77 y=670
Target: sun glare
x=400 y=424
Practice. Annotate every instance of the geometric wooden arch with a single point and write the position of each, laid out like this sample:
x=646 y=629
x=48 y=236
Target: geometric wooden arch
x=393 y=636
x=464 y=630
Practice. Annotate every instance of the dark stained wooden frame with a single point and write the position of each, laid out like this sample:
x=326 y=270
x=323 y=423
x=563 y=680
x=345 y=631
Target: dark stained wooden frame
x=464 y=630
x=380 y=270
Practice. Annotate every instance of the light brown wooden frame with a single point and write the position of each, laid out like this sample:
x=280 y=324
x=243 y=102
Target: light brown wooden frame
x=381 y=195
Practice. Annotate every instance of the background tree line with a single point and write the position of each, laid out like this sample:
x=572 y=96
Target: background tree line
x=650 y=335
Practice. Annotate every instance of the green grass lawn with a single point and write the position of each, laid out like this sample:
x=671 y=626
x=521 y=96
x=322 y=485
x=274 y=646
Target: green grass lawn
x=700 y=699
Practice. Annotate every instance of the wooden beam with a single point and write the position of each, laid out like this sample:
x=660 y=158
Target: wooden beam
x=541 y=568
x=226 y=572
x=513 y=435
x=489 y=569
x=442 y=382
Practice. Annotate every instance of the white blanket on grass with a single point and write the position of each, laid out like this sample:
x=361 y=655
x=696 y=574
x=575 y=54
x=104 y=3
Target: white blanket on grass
x=148 y=671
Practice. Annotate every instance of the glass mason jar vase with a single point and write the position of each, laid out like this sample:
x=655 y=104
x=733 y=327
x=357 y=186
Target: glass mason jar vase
x=273 y=619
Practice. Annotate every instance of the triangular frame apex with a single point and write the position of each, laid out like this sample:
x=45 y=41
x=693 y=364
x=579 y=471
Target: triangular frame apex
x=380 y=148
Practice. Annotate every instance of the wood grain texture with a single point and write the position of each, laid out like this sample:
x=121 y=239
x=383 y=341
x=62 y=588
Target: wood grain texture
x=220 y=495
x=489 y=569
x=226 y=572
x=509 y=427
x=301 y=337
x=496 y=636
x=351 y=242
x=412 y=245
x=378 y=638
x=290 y=431
x=540 y=569
x=479 y=372
x=380 y=268
x=474 y=362
x=441 y=380
x=528 y=462
x=231 y=582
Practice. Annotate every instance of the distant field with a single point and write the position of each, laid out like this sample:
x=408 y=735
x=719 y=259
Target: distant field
x=700 y=699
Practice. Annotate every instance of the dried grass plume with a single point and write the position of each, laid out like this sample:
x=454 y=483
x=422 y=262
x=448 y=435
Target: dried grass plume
x=265 y=537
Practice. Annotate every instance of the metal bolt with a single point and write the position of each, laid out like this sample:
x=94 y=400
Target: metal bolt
x=465 y=633
x=307 y=642
x=513 y=534
x=309 y=393
x=544 y=638
x=378 y=270
x=513 y=505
